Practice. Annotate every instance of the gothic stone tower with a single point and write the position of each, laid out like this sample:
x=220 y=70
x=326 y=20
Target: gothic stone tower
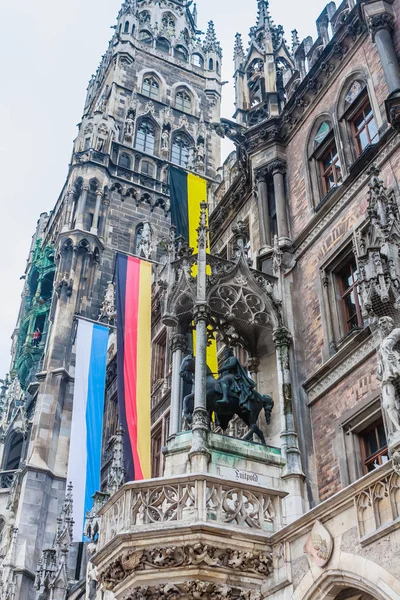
x=149 y=104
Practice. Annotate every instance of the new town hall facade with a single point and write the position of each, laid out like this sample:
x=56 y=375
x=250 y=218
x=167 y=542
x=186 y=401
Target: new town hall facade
x=305 y=231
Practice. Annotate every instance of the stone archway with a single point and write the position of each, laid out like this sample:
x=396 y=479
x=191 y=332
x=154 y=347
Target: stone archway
x=354 y=594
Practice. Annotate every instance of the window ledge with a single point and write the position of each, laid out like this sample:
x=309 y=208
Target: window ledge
x=359 y=347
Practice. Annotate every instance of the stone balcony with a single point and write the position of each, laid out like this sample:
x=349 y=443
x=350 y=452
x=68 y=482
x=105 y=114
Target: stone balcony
x=195 y=533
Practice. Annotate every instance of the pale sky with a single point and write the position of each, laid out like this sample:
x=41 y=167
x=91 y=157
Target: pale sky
x=48 y=51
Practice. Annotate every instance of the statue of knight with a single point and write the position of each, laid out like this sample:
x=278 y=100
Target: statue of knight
x=233 y=393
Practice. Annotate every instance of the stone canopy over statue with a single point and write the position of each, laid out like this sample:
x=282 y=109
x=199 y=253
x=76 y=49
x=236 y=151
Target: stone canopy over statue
x=233 y=393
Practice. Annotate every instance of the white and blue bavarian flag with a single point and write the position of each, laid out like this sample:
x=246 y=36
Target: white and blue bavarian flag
x=84 y=462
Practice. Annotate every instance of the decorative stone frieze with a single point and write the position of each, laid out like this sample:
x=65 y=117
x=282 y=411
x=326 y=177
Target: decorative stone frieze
x=198 y=555
x=202 y=590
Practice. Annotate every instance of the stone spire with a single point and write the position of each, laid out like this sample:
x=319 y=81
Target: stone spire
x=295 y=40
x=211 y=44
x=238 y=51
x=263 y=16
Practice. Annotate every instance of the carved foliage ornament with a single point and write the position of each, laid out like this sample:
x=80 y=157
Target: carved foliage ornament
x=260 y=563
x=192 y=589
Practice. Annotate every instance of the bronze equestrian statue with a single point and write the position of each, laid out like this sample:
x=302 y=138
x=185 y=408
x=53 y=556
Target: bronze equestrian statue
x=233 y=393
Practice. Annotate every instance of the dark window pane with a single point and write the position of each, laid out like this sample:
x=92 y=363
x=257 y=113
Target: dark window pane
x=373 y=130
x=382 y=436
x=363 y=137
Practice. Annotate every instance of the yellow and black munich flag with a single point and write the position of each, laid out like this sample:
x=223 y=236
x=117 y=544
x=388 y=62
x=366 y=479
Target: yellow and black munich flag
x=187 y=192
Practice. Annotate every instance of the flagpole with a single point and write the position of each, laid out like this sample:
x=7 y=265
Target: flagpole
x=199 y=453
x=77 y=317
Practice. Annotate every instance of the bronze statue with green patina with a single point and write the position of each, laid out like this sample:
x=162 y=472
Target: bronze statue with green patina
x=233 y=393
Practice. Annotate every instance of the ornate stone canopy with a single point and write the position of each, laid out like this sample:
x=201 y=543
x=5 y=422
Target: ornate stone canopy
x=242 y=303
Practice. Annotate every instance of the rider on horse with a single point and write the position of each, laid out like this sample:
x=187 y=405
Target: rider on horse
x=234 y=380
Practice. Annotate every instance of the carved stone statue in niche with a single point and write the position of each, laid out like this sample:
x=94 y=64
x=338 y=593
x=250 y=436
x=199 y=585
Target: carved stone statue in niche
x=388 y=372
x=165 y=141
x=144 y=247
x=129 y=126
x=108 y=311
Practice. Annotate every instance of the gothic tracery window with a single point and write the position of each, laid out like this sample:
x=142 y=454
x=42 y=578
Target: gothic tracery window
x=145 y=136
x=183 y=101
x=181 y=150
x=168 y=23
x=151 y=87
x=144 y=17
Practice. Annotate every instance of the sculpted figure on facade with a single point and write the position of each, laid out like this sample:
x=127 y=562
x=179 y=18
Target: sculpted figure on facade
x=165 y=141
x=145 y=246
x=129 y=126
x=388 y=372
x=108 y=310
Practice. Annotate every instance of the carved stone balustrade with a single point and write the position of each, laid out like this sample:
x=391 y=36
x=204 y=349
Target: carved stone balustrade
x=378 y=504
x=152 y=504
x=188 y=528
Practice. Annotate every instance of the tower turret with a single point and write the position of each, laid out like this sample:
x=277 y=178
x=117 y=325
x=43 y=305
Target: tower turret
x=259 y=74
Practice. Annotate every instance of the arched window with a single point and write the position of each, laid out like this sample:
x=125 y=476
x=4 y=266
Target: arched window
x=181 y=150
x=151 y=87
x=325 y=167
x=181 y=53
x=145 y=37
x=183 y=100
x=211 y=65
x=125 y=161
x=168 y=23
x=218 y=67
x=147 y=168
x=163 y=45
x=145 y=136
x=126 y=27
x=356 y=119
x=197 y=60
x=13 y=457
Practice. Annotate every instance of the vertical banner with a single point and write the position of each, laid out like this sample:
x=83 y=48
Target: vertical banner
x=187 y=192
x=84 y=461
x=134 y=362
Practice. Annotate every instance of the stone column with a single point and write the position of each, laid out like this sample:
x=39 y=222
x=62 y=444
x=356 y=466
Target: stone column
x=263 y=211
x=94 y=227
x=178 y=347
x=329 y=322
x=289 y=443
x=103 y=218
x=252 y=366
x=278 y=170
x=381 y=27
x=68 y=212
x=199 y=454
x=81 y=207
x=381 y=21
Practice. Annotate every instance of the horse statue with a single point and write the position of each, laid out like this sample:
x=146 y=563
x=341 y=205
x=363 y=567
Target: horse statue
x=233 y=393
